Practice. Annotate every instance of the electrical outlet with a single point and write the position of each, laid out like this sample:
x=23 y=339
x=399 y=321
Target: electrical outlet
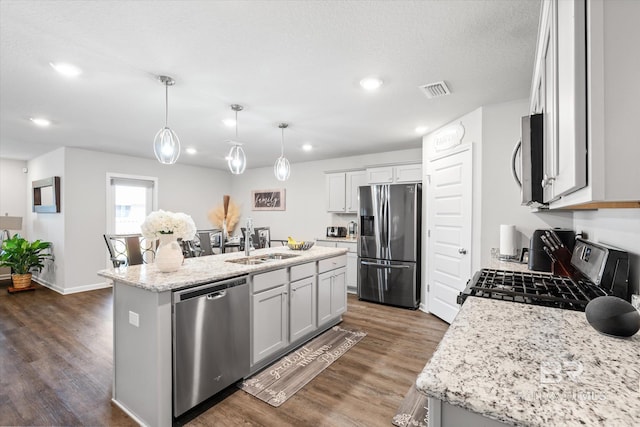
x=134 y=319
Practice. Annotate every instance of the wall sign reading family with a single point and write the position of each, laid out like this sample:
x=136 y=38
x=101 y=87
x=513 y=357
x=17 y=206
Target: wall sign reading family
x=268 y=200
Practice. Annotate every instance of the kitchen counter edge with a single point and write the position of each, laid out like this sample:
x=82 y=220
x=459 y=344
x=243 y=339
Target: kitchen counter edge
x=201 y=270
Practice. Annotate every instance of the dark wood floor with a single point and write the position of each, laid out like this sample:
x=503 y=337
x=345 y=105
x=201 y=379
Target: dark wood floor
x=56 y=367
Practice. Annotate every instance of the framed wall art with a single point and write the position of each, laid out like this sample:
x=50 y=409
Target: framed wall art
x=268 y=200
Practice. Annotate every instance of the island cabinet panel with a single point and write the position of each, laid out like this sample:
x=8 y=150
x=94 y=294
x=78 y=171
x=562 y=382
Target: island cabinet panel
x=324 y=297
x=142 y=354
x=270 y=316
x=302 y=303
x=332 y=294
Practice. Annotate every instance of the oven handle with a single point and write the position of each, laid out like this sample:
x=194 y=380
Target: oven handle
x=375 y=264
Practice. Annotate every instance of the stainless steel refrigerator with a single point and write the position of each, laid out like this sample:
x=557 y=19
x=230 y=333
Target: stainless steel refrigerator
x=389 y=245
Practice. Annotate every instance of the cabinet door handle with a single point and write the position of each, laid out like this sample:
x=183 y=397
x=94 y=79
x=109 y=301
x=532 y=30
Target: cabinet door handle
x=462 y=251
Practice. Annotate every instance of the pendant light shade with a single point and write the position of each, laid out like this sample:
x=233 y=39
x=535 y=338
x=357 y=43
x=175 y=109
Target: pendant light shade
x=282 y=168
x=166 y=144
x=236 y=159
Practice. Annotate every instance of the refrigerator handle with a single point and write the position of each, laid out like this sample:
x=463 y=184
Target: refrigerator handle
x=375 y=264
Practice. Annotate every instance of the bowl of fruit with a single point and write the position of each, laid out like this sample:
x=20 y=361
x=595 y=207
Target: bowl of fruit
x=298 y=245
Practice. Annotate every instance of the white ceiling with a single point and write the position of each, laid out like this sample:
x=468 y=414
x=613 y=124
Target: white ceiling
x=285 y=61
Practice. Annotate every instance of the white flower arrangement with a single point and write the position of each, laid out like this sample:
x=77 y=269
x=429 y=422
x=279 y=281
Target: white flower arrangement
x=179 y=224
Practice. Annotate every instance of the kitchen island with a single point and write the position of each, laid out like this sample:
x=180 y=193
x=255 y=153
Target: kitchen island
x=504 y=362
x=143 y=308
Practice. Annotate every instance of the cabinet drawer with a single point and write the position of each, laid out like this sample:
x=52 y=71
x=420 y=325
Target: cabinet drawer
x=269 y=280
x=332 y=263
x=301 y=271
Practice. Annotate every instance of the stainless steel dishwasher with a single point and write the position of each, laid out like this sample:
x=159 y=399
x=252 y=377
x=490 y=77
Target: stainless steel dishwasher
x=210 y=340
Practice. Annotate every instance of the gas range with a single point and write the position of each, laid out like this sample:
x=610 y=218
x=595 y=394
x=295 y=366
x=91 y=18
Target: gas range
x=532 y=288
x=600 y=270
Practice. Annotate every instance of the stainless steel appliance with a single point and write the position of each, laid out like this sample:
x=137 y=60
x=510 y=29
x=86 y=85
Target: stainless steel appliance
x=352 y=229
x=389 y=245
x=210 y=340
x=600 y=270
x=333 y=231
x=530 y=148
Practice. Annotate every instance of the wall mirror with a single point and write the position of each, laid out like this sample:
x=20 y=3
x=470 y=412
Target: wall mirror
x=46 y=195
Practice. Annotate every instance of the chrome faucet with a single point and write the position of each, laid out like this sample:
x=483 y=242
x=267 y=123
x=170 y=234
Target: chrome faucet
x=248 y=240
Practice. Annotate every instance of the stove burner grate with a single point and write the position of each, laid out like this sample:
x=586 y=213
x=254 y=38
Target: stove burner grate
x=532 y=288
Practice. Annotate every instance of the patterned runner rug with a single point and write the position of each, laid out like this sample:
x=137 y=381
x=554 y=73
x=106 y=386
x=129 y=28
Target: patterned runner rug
x=279 y=381
x=413 y=410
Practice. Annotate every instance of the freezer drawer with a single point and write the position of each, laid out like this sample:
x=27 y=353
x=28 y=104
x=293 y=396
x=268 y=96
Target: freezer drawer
x=388 y=282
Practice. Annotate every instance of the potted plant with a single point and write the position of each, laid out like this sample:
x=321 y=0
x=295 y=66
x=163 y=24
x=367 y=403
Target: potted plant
x=22 y=257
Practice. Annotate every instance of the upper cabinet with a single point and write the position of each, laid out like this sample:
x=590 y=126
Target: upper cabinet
x=395 y=174
x=585 y=85
x=558 y=92
x=342 y=190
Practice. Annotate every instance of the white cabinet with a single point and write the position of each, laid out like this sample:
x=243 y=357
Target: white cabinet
x=302 y=303
x=352 y=265
x=354 y=180
x=269 y=306
x=395 y=174
x=581 y=84
x=269 y=331
x=336 y=192
x=342 y=190
x=352 y=260
x=332 y=288
x=558 y=92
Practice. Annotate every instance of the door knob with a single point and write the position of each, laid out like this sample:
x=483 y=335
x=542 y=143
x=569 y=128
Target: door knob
x=462 y=251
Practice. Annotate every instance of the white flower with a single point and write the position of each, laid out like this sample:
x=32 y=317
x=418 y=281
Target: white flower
x=160 y=222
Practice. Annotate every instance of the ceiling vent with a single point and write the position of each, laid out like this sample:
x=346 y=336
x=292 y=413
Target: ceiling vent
x=435 y=90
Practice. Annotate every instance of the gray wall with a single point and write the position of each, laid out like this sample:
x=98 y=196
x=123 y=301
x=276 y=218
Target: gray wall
x=306 y=216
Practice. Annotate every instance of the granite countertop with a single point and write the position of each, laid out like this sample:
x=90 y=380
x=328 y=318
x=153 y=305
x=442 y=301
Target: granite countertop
x=535 y=366
x=498 y=264
x=205 y=269
x=338 y=239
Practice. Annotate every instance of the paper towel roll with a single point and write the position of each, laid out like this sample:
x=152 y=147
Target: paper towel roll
x=508 y=240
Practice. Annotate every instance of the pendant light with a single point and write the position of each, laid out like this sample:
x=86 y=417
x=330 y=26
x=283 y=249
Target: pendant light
x=281 y=168
x=236 y=159
x=166 y=144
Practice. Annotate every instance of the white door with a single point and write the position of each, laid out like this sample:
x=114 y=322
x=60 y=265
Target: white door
x=449 y=204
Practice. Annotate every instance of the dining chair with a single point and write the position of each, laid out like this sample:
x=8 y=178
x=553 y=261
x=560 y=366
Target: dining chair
x=129 y=249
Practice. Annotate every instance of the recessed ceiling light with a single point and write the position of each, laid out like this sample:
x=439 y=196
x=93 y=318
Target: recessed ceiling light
x=370 y=83
x=191 y=150
x=40 y=121
x=421 y=130
x=229 y=122
x=67 y=70
x=307 y=147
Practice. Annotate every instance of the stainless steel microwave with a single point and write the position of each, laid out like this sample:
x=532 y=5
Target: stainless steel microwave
x=527 y=161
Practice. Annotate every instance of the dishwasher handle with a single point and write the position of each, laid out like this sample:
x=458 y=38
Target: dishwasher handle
x=217 y=295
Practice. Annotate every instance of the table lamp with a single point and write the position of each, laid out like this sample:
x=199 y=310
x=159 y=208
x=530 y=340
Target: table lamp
x=9 y=223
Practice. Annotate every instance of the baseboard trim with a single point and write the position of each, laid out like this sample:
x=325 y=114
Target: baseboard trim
x=74 y=290
x=423 y=308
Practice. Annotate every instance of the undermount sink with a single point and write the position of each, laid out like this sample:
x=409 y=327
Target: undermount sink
x=261 y=259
